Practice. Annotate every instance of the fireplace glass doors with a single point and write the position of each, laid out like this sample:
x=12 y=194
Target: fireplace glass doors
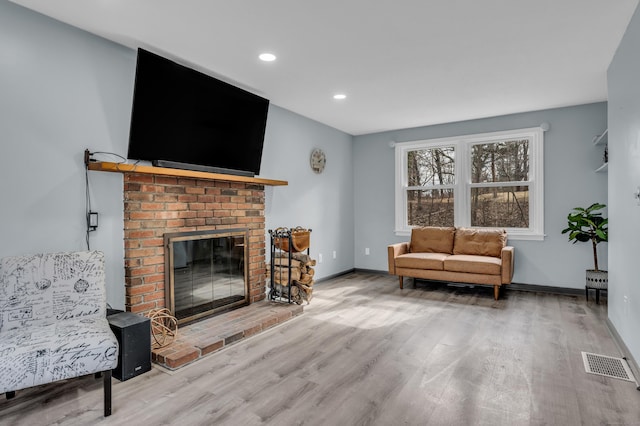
x=206 y=272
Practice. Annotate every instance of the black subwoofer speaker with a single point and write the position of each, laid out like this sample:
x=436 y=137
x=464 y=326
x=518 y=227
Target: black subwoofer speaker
x=134 y=337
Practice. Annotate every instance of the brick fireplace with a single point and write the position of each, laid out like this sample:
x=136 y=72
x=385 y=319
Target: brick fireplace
x=157 y=204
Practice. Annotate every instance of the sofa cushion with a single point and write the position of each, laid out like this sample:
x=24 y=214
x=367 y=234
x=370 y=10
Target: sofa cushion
x=434 y=261
x=480 y=242
x=473 y=264
x=432 y=239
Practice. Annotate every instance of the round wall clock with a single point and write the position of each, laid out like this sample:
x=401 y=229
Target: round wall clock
x=318 y=160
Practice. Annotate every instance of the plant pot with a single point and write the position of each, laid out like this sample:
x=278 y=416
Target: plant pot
x=597 y=279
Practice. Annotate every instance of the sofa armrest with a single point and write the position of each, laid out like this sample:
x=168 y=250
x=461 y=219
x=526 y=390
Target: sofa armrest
x=507 y=257
x=395 y=250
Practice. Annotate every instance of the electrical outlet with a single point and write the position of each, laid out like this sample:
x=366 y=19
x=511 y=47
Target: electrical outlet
x=334 y=254
x=319 y=257
x=367 y=252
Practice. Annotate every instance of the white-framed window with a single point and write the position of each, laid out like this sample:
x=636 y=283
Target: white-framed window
x=482 y=180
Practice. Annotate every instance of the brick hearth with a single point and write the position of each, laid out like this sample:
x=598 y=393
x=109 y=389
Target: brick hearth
x=212 y=334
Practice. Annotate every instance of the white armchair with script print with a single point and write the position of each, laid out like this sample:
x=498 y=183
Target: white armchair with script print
x=53 y=322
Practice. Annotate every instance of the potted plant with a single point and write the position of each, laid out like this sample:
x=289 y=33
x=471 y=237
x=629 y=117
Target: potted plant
x=588 y=225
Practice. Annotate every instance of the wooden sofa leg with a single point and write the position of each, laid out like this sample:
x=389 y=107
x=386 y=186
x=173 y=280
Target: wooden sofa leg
x=107 y=393
x=400 y=276
x=496 y=292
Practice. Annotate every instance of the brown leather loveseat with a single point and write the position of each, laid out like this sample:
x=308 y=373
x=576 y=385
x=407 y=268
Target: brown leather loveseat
x=466 y=255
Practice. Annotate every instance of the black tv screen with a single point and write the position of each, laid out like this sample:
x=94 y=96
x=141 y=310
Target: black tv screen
x=184 y=118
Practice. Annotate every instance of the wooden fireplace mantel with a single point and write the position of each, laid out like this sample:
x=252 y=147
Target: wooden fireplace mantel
x=106 y=166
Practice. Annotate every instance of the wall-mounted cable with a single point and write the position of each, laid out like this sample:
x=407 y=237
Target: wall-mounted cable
x=122 y=159
x=90 y=215
x=87 y=206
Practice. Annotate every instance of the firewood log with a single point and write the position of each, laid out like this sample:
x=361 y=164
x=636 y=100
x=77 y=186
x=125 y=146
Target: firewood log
x=305 y=279
x=306 y=293
x=284 y=261
x=306 y=288
x=281 y=275
x=301 y=271
x=282 y=292
x=304 y=258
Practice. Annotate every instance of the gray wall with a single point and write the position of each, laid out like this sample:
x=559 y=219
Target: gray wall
x=624 y=179
x=63 y=90
x=569 y=161
x=322 y=202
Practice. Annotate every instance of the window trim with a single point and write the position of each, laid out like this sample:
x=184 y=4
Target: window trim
x=462 y=187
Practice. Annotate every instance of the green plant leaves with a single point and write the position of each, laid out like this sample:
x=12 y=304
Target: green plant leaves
x=587 y=224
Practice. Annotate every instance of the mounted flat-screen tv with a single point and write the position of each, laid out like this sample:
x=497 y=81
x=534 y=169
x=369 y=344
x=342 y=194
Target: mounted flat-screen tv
x=183 y=118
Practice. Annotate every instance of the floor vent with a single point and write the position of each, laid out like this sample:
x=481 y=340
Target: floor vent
x=608 y=366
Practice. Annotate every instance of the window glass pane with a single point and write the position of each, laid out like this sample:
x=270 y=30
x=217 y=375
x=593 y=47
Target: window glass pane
x=500 y=162
x=430 y=208
x=503 y=207
x=435 y=166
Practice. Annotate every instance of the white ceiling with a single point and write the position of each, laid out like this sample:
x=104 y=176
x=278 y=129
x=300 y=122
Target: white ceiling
x=402 y=63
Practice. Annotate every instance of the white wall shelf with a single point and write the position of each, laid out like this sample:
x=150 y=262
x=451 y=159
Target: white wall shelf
x=603 y=169
x=599 y=140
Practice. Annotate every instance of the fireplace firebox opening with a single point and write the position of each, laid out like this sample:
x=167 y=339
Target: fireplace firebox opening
x=206 y=272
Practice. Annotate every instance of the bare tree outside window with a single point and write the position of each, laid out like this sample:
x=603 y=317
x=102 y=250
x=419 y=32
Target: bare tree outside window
x=505 y=205
x=431 y=175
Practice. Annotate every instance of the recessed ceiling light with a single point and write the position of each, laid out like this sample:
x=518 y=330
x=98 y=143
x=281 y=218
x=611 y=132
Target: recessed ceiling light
x=267 y=57
x=339 y=96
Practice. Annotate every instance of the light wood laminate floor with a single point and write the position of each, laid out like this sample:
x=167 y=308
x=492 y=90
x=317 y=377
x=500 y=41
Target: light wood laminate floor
x=365 y=352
